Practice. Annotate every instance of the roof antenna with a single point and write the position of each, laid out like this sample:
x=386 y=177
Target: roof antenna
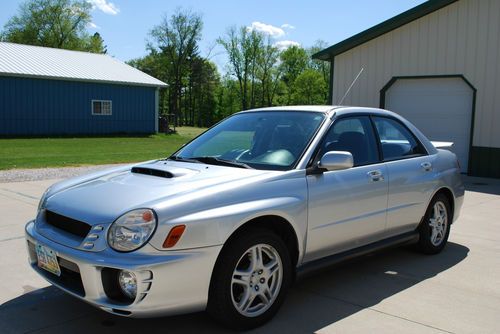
x=352 y=84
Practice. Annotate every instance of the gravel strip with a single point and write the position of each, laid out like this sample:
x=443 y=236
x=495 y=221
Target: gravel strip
x=19 y=175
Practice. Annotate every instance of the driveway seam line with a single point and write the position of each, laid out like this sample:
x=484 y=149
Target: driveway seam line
x=17 y=199
x=20 y=194
x=12 y=238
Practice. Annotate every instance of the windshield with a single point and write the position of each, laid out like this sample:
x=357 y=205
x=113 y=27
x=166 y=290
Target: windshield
x=271 y=140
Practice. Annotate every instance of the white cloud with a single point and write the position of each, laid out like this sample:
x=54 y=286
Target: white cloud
x=283 y=45
x=287 y=26
x=267 y=29
x=92 y=25
x=105 y=6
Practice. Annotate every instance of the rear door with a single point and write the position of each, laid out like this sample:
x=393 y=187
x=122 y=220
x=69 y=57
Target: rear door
x=347 y=208
x=410 y=174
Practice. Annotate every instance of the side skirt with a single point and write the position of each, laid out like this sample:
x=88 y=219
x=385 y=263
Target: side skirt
x=316 y=265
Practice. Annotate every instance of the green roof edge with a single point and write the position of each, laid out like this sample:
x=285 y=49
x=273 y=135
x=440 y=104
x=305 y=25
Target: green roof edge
x=382 y=28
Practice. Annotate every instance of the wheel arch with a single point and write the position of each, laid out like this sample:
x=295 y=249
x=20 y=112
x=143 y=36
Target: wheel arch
x=448 y=193
x=278 y=225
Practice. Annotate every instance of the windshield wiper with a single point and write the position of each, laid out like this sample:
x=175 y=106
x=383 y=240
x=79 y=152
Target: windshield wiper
x=211 y=161
x=220 y=162
x=177 y=158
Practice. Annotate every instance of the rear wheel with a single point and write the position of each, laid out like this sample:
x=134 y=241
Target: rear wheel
x=250 y=280
x=435 y=228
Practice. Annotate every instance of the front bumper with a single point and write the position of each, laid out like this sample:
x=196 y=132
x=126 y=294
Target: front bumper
x=169 y=282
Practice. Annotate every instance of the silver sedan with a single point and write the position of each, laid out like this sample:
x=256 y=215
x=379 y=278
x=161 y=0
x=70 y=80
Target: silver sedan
x=226 y=222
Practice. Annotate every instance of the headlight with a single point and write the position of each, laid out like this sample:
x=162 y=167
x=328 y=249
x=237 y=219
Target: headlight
x=43 y=200
x=132 y=230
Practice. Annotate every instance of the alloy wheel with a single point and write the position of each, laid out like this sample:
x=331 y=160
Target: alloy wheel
x=256 y=280
x=438 y=223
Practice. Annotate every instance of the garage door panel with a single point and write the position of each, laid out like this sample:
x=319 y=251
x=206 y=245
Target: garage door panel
x=440 y=107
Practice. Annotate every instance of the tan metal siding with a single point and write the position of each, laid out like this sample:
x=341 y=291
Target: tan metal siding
x=462 y=38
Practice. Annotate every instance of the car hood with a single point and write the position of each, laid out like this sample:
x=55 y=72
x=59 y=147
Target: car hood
x=103 y=197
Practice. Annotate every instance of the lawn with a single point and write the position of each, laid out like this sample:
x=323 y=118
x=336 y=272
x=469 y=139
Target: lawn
x=59 y=152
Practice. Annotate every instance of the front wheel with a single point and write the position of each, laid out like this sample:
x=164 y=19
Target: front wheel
x=435 y=228
x=250 y=280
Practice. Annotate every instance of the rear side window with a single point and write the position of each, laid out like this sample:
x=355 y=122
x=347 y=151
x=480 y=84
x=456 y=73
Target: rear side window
x=355 y=135
x=396 y=140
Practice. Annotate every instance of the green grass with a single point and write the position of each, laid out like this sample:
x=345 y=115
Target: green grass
x=60 y=152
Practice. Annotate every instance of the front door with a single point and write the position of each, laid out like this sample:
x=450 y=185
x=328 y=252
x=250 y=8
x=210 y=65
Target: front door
x=347 y=208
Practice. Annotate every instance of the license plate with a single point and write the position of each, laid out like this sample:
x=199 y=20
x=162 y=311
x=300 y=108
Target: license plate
x=47 y=259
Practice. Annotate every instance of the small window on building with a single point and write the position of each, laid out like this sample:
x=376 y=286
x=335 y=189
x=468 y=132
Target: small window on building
x=101 y=107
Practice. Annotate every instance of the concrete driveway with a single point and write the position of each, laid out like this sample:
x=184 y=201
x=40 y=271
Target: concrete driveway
x=396 y=291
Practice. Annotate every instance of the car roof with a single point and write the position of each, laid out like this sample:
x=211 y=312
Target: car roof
x=322 y=109
x=337 y=110
x=348 y=110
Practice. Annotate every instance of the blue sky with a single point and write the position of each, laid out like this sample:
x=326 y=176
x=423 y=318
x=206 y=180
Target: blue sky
x=125 y=24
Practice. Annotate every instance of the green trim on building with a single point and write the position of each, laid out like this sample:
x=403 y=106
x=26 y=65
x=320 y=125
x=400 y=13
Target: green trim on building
x=484 y=161
x=330 y=82
x=382 y=28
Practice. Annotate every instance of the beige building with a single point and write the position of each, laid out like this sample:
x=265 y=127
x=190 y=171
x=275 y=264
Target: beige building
x=437 y=65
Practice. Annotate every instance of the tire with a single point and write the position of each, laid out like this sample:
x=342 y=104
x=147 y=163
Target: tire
x=435 y=228
x=240 y=286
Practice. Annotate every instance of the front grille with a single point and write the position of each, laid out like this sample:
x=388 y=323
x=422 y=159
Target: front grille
x=70 y=273
x=67 y=224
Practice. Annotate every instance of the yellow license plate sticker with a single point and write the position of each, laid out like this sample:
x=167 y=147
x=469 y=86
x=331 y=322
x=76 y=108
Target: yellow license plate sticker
x=47 y=259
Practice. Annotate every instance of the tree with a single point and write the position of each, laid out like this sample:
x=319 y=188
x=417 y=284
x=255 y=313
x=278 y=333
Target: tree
x=228 y=98
x=96 y=44
x=242 y=46
x=154 y=65
x=268 y=73
x=176 y=39
x=321 y=66
x=258 y=73
x=53 y=23
x=201 y=101
x=294 y=61
x=310 y=88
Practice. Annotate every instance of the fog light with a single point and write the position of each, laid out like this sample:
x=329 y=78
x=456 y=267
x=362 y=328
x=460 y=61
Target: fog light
x=128 y=283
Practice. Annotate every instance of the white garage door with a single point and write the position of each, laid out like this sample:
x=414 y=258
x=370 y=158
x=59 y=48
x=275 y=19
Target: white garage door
x=440 y=107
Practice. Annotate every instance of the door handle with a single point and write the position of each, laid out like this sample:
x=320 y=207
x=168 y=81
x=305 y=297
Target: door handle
x=376 y=175
x=427 y=166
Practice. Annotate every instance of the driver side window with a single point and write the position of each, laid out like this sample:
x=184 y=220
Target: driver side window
x=354 y=135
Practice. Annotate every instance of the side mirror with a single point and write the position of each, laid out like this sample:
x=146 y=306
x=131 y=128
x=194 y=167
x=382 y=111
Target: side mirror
x=336 y=160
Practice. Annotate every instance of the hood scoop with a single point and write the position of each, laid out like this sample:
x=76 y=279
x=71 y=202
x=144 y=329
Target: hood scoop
x=162 y=170
x=152 y=172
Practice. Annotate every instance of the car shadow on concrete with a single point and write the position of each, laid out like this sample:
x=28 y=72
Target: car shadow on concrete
x=313 y=302
x=482 y=185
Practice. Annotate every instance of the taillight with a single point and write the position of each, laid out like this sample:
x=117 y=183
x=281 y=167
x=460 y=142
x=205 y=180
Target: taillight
x=174 y=236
